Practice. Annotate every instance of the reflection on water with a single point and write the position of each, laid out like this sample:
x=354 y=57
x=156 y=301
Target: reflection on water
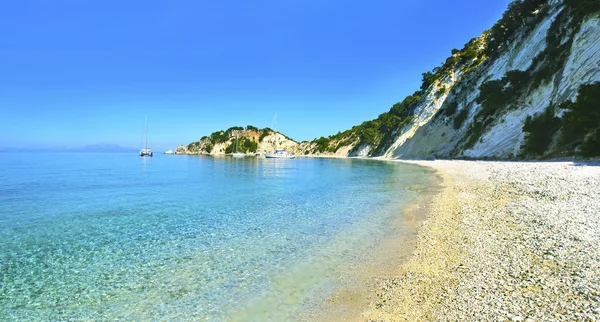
x=146 y=161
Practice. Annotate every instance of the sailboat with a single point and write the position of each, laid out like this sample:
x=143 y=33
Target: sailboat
x=279 y=153
x=237 y=154
x=146 y=151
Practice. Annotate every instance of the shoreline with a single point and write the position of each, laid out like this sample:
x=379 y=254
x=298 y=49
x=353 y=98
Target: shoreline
x=502 y=241
x=386 y=259
x=343 y=282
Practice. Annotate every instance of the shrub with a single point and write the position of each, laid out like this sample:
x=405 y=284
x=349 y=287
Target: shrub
x=539 y=130
x=451 y=108
x=491 y=97
x=406 y=107
x=248 y=145
x=514 y=18
x=582 y=117
x=442 y=90
x=263 y=133
x=474 y=133
x=369 y=136
x=583 y=7
x=591 y=144
x=322 y=144
x=460 y=118
x=428 y=79
x=234 y=128
x=219 y=137
x=230 y=148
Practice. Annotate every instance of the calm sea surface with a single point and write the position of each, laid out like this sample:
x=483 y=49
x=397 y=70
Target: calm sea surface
x=119 y=237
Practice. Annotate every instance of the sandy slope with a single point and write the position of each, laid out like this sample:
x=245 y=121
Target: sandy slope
x=504 y=241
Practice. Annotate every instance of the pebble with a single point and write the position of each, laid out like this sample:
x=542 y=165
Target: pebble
x=528 y=233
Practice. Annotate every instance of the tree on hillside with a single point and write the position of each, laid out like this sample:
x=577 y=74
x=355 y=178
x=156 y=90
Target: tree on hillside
x=582 y=119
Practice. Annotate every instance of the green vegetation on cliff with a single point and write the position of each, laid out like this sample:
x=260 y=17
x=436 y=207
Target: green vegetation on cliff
x=381 y=132
x=377 y=133
x=248 y=139
x=539 y=130
x=581 y=121
x=519 y=15
x=579 y=127
x=498 y=96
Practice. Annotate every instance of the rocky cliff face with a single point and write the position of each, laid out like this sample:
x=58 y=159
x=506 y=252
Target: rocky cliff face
x=553 y=53
x=247 y=140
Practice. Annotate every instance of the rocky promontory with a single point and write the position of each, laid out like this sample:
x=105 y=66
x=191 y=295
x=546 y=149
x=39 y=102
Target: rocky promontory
x=247 y=140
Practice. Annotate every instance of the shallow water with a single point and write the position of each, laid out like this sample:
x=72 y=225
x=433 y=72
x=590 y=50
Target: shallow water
x=116 y=236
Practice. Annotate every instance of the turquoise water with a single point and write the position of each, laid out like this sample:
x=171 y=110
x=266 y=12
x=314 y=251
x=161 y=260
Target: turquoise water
x=119 y=237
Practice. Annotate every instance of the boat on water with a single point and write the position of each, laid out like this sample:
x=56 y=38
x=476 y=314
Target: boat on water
x=280 y=154
x=146 y=151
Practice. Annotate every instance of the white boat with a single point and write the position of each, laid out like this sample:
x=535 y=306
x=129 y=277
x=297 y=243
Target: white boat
x=146 y=151
x=279 y=154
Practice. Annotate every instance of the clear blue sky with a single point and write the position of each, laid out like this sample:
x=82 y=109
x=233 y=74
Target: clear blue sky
x=77 y=72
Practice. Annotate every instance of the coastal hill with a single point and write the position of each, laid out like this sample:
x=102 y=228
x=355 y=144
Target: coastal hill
x=527 y=88
x=249 y=140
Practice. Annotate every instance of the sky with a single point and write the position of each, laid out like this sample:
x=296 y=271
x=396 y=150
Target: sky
x=76 y=73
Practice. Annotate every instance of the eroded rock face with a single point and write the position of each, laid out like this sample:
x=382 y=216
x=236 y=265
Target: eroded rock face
x=504 y=137
x=430 y=134
x=181 y=150
x=266 y=142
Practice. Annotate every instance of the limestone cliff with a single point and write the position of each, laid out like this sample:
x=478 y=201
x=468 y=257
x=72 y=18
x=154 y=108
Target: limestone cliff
x=476 y=104
x=246 y=140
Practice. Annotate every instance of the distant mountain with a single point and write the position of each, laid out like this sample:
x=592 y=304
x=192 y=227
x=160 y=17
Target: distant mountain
x=95 y=148
x=102 y=148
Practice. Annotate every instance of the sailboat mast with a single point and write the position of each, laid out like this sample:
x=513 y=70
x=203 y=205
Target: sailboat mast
x=145 y=132
x=275 y=130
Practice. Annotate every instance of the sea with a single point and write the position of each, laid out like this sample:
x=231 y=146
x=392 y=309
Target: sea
x=115 y=236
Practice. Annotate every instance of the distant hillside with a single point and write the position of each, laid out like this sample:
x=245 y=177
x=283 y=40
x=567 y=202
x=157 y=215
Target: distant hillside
x=96 y=148
x=249 y=140
x=103 y=148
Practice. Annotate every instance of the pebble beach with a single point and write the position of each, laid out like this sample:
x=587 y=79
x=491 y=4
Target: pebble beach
x=504 y=241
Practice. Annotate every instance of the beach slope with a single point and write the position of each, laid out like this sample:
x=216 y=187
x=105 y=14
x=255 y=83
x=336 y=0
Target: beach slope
x=505 y=241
